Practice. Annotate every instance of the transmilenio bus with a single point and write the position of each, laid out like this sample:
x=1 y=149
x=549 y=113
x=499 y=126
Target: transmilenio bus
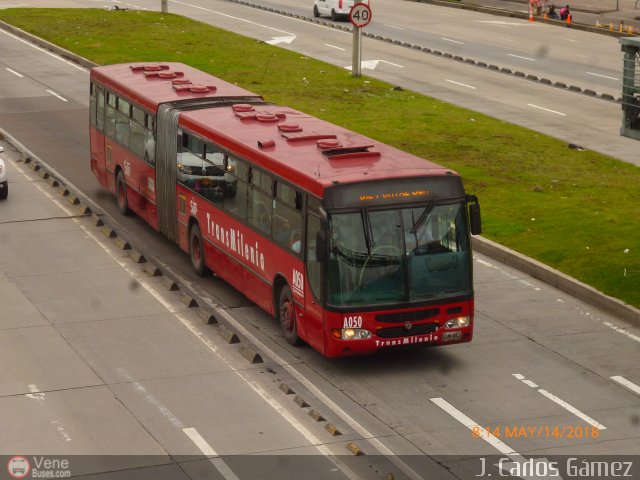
x=352 y=245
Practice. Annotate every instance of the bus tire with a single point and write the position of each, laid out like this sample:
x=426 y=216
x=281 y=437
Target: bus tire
x=121 y=194
x=4 y=193
x=287 y=317
x=196 y=250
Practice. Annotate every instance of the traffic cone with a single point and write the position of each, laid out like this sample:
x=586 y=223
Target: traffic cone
x=531 y=16
x=546 y=16
x=569 y=19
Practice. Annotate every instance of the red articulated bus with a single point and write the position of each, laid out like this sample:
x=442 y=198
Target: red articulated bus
x=352 y=245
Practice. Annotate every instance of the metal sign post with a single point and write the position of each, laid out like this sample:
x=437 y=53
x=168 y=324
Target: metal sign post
x=360 y=16
x=163 y=6
x=356 y=59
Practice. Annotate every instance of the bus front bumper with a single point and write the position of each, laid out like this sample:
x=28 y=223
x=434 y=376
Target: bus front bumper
x=442 y=336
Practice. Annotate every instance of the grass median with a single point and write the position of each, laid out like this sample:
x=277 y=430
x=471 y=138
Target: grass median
x=577 y=211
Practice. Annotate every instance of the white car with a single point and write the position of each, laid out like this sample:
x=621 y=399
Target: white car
x=4 y=184
x=336 y=9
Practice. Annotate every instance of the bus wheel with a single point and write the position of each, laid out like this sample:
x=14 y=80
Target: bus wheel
x=121 y=194
x=196 y=249
x=287 y=316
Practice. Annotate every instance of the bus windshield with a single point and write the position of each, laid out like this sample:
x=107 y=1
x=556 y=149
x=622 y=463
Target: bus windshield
x=398 y=255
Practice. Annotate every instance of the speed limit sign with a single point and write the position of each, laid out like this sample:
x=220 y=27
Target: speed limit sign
x=360 y=15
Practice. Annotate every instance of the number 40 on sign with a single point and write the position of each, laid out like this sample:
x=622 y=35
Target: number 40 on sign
x=360 y=15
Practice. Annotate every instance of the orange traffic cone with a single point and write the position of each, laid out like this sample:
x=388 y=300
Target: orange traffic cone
x=569 y=19
x=531 y=16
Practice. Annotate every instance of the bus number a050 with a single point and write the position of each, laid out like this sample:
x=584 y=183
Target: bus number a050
x=352 y=322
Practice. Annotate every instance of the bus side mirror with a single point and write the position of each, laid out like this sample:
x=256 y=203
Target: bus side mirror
x=321 y=243
x=474 y=215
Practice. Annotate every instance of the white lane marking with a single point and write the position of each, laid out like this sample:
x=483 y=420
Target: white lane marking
x=205 y=448
x=74 y=65
x=164 y=411
x=57 y=95
x=461 y=84
x=451 y=40
x=232 y=17
x=394 y=26
x=389 y=63
x=622 y=331
x=546 y=109
x=524 y=380
x=626 y=383
x=333 y=46
x=309 y=385
x=470 y=424
x=562 y=403
x=521 y=57
x=36 y=394
x=17 y=74
x=200 y=442
x=603 y=76
x=60 y=429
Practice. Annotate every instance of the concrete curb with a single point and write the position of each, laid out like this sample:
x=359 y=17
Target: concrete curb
x=527 y=265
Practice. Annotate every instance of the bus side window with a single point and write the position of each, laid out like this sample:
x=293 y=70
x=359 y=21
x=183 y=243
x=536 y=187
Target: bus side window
x=190 y=162
x=137 y=131
x=287 y=219
x=235 y=197
x=314 y=268
x=213 y=173
x=260 y=201
x=110 y=116
x=92 y=104
x=100 y=109
x=149 y=139
x=123 y=114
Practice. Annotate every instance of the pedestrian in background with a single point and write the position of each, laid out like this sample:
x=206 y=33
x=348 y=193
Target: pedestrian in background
x=564 y=12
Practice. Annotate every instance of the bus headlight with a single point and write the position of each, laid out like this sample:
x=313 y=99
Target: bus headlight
x=351 y=333
x=458 y=322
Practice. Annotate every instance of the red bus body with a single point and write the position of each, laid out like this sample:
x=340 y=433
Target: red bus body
x=314 y=175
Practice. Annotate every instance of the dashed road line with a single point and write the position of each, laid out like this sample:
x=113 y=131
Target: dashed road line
x=461 y=84
x=521 y=57
x=602 y=76
x=17 y=74
x=562 y=403
x=546 y=109
x=627 y=384
x=57 y=95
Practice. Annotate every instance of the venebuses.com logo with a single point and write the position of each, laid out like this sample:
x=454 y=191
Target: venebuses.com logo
x=18 y=467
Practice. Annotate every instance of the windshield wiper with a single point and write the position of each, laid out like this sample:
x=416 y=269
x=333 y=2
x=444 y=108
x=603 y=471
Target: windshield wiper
x=423 y=216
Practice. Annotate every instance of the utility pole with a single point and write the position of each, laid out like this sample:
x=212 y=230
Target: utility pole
x=163 y=6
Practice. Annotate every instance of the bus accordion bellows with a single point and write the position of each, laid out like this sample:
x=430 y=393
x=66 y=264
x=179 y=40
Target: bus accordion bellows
x=352 y=245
